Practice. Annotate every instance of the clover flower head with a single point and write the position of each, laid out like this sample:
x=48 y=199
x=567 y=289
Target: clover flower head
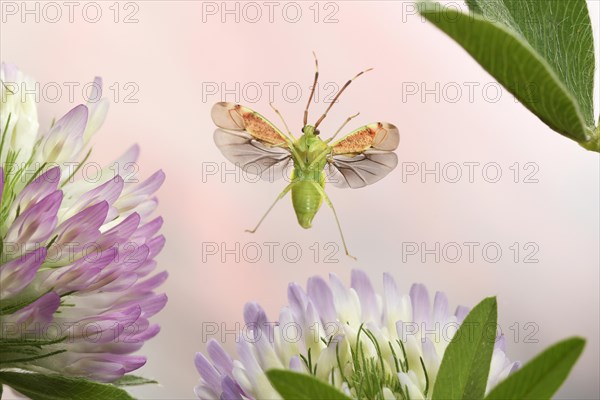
x=367 y=345
x=77 y=279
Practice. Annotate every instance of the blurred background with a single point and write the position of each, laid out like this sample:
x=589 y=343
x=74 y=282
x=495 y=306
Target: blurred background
x=526 y=197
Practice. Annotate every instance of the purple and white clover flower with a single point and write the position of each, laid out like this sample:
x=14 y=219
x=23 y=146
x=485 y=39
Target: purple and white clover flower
x=327 y=329
x=77 y=279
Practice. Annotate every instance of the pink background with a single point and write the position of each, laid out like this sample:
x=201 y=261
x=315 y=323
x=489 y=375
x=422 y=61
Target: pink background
x=171 y=54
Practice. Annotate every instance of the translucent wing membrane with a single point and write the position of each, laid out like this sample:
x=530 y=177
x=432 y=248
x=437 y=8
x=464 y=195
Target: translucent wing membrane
x=252 y=156
x=379 y=136
x=239 y=118
x=251 y=142
x=364 y=156
x=360 y=170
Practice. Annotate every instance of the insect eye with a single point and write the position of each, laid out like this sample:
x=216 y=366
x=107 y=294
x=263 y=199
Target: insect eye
x=302 y=129
x=317 y=131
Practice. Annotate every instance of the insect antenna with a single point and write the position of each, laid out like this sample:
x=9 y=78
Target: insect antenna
x=338 y=95
x=312 y=92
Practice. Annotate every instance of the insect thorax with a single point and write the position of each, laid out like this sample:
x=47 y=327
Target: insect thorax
x=313 y=152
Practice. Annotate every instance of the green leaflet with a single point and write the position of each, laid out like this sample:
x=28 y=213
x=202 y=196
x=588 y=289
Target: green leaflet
x=133 y=380
x=541 y=51
x=55 y=387
x=541 y=377
x=465 y=367
x=297 y=386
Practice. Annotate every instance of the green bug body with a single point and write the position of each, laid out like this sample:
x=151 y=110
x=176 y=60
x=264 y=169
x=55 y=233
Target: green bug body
x=308 y=175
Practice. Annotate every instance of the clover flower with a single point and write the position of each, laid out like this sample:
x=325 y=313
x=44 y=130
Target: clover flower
x=78 y=244
x=369 y=346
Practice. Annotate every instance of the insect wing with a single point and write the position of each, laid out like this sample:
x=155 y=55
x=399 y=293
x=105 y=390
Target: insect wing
x=252 y=156
x=364 y=156
x=361 y=169
x=235 y=117
x=250 y=141
x=379 y=136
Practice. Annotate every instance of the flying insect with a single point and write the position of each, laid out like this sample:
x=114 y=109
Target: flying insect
x=258 y=147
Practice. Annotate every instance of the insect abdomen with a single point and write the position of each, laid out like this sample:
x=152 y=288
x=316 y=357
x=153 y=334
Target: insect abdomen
x=307 y=201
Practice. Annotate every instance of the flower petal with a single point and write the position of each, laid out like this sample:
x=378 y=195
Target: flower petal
x=368 y=300
x=209 y=374
x=220 y=359
x=420 y=302
x=65 y=139
x=40 y=187
x=320 y=294
x=37 y=223
x=15 y=275
x=98 y=109
x=38 y=312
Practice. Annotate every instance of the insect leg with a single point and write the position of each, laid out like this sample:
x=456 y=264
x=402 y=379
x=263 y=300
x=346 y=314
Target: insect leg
x=342 y=127
x=330 y=204
x=281 y=195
